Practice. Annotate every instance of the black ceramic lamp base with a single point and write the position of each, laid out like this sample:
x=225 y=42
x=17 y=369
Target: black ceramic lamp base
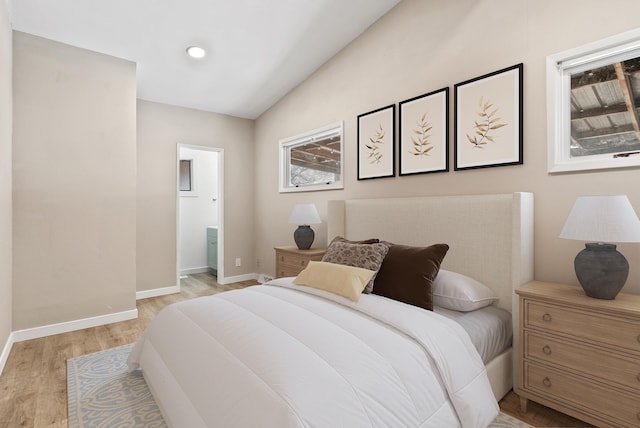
x=304 y=237
x=601 y=270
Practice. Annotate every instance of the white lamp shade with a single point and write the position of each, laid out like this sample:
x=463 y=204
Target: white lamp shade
x=304 y=214
x=602 y=219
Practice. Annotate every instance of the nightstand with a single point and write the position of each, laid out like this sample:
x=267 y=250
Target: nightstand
x=290 y=261
x=580 y=355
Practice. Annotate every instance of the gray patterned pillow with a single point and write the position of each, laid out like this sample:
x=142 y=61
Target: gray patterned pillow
x=366 y=256
x=365 y=241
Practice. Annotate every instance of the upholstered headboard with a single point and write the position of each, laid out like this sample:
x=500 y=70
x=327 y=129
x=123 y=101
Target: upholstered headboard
x=490 y=238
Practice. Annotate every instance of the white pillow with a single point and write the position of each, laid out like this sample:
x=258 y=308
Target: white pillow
x=458 y=292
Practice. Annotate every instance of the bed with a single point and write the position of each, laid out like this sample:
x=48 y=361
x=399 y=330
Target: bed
x=290 y=355
x=490 y=239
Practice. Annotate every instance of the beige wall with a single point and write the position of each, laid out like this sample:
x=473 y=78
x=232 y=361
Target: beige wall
x=80 y=247
x=74 y=183
x=160 y=129
x=5 y=175
x=421 y=46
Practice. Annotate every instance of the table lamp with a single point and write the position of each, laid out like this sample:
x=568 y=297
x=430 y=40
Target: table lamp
x=303 y=215
x=600 y=268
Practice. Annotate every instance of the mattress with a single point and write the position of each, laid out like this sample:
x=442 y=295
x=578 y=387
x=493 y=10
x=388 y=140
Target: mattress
x=489 y=328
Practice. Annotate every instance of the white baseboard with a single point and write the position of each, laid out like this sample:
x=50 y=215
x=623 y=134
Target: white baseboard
x=145 y=294
x=194 y=270
x=5 y=352
x=238 y=278
x=65 y=327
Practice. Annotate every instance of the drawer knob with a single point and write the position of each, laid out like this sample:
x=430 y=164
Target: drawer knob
x=281 y=258
x=302 y=263
x=638 y=377
x=546 y=349
x=546 y=317
x=638 y=338
x=546 y=382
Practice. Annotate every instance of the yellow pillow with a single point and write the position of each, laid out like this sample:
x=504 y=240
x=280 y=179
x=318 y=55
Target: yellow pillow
x=346 y=281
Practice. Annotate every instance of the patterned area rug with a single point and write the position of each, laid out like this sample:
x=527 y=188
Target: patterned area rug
x=102 y=394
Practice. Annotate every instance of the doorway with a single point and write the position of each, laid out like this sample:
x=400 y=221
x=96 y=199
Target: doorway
x=199 y=207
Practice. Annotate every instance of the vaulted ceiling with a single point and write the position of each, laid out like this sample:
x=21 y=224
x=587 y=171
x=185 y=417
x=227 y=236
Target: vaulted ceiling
x=257 y=50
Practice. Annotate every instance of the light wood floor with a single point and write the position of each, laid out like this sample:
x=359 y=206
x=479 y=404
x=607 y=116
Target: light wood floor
x=33 y=385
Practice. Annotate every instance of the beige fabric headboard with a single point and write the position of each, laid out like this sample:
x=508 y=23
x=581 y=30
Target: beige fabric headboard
x=490 y=236
x=490 y=239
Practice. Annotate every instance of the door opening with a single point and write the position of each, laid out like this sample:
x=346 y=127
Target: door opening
x=199 y=208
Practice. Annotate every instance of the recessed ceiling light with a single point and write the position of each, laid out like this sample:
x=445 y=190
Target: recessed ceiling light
x=196 y=52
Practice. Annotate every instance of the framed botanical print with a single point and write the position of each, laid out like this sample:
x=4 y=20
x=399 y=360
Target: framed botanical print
x=424 y=133
x=376 y=143
x=488 y=120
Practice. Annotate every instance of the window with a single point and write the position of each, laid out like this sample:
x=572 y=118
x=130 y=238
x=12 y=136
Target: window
x=312 y=161
x=593 y=99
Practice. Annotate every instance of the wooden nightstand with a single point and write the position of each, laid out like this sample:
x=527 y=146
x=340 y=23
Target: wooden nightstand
x=290 y=260
x=580 y=355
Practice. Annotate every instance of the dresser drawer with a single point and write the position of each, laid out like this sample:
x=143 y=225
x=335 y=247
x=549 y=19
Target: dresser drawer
x=293 y=260
x=282 y=272
x=617 y=331
x=591 y=362
x=290 y=261
x=593 y=398
x=289 y=269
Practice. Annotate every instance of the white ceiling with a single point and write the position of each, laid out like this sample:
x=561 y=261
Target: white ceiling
x=258 y=50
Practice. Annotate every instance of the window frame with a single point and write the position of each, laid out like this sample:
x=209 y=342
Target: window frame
x=559 y=68
x=287 y=144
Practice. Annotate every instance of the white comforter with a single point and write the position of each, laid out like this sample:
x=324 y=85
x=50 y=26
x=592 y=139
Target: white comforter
x=291 y=356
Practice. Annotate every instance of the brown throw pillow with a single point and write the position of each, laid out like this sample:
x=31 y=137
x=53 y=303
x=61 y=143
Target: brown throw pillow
x=366 y=256
x=407 y=274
